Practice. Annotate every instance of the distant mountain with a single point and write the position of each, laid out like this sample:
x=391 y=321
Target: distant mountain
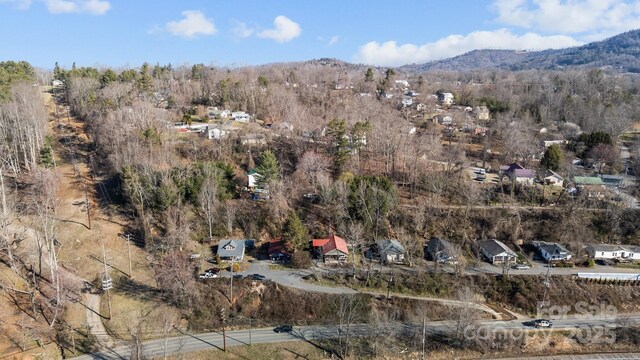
x=621 y=53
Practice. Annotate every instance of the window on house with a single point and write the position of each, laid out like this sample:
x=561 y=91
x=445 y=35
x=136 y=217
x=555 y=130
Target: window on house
x=602 y=253
x=615 y=254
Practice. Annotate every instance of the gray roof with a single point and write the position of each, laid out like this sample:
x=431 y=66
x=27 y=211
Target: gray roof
x=551 y=247
x=610 y=247
x=436 y=245
x=494 y=247
x=231 y=248
x=390 y=245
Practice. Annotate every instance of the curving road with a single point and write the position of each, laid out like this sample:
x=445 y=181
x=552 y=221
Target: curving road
x=213 y=340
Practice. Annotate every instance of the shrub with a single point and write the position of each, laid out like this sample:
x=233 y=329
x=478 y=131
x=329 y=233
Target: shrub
x=301 y=260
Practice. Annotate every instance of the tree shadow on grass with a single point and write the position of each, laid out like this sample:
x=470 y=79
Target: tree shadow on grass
x=139 y=291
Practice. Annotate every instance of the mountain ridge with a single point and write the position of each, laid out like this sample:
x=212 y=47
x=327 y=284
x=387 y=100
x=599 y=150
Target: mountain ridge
x=620 y=52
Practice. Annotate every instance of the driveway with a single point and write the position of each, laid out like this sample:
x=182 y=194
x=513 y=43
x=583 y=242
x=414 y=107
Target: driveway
x=291 y=278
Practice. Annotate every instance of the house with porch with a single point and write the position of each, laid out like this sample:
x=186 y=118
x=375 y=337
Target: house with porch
x=333 y=249
x=496 y=252
x=614 y=252
x=517 y=173
x=231 y=250
x=441 y=250
x=551 y=251
x=390 y=251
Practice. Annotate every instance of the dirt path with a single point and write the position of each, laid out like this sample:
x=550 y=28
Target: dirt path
x=79 y=247
x=94 y=320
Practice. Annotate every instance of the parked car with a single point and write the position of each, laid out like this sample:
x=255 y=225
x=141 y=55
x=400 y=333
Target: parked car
x=238 y=276
x=604 y=262
x=540 y=323
x=283 y=329
x=521 y=267
x=258 y=277
x=212 y=271
x=207 y=276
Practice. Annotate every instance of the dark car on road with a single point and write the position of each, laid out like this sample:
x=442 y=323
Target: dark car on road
x=283 y=329
x=238 y=276
x=258 y=277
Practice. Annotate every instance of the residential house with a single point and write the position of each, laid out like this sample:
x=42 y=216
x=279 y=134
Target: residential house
x=548 y=143
x=332 y=249
x=551 y=251
x=390 y=251
x=552 y=178
x=481 y=113
x=253 y=178
x=240 y=116
x=516 y=172
x=614 y=252
x=253 y=139
x=215 y=132
x=445 y=99
x=613 y=180
x=215 y=113
x=443 y=119
x=277 y=251
x=496 y=252
x=407 y=101
x=231 y=250
x=441 y=250
x=421 y=107
x=592 y=186
x=401 y=84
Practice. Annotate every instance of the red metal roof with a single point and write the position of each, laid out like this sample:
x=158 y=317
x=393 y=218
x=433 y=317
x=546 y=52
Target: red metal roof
x=319 y=242
x=335 y=242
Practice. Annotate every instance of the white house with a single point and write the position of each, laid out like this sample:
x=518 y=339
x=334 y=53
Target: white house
x=445 y=99
x=253 y=177
x=401 y=84
x=496 y=252
x=253 y=139
x=240 y=116
x=215 y=132
x=552 y=178
x=407 y=101
x=421 y=107
x=548 y=143
x=605 y=251
x=552 y=251
x=214 y=112
x=481 y=112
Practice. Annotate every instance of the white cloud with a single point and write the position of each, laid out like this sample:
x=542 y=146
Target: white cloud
x=334 y=40
x=605 y=17
x=93 y=7
x=284 y=30
x=241 y=30
x=18 y=4
x=392 y=54
x=194 y=23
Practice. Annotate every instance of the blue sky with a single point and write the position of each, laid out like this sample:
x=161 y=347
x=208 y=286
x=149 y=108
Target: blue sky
x=246 y=32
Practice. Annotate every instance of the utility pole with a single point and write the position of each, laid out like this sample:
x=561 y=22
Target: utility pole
x=424 y=333
x=249 y=330
x=224 y=334
x=129 y=249
x=231 y=296
x=107 y=283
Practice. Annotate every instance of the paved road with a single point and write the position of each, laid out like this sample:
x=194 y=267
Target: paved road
x=213 y=340
x=615 y=356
